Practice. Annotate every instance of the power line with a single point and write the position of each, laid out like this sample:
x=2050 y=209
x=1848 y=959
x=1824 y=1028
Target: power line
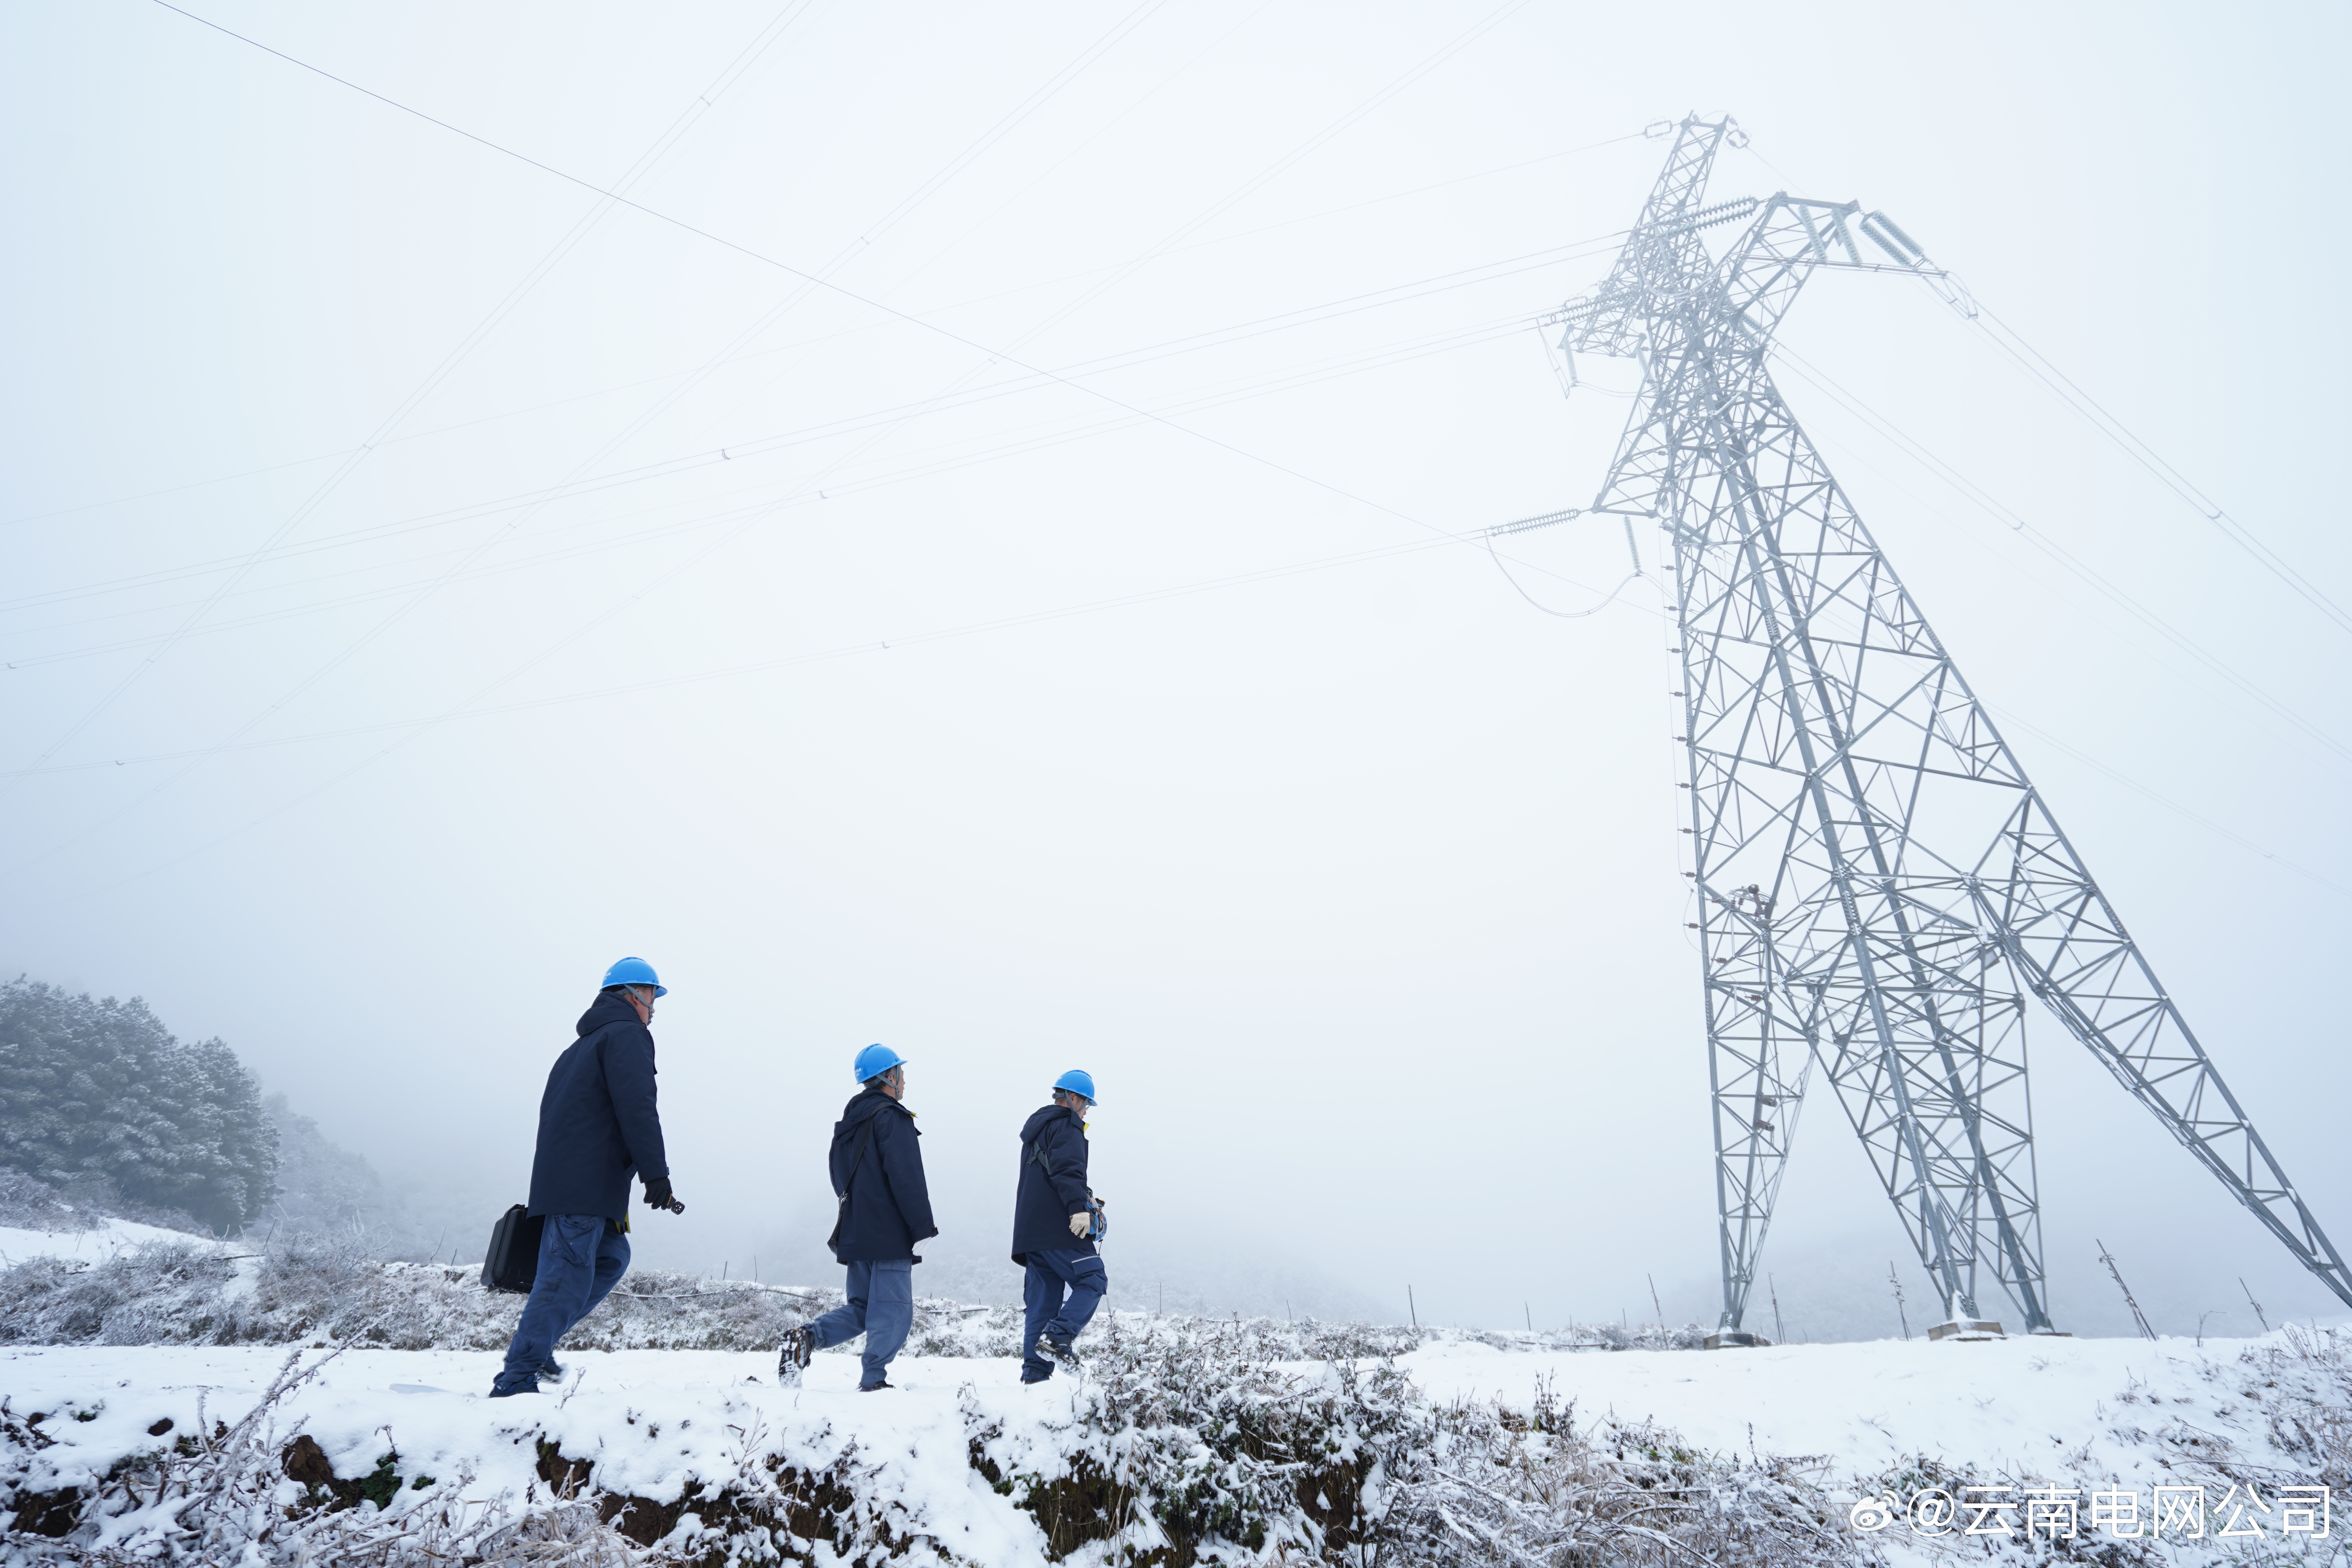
x=1275 y=170
x=1552 y=520
x=1856 y=404
x=818 y=281
x=1063 y=378
x=1013 y=119
x=1210 y=339
x=2096 y=415
x=805 y=491
x=812 y=281
x=940 y=179
x=1095 y=135
x=357 y=455
x=2009 y=716
x=1009 y=356
x=994 y=357
x=2126 y=440
x=418 y=728
x=1234 y=237
x=753 y=667
x=847 y=293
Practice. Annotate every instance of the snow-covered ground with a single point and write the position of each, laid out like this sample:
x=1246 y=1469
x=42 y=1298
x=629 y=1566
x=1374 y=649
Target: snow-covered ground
x=652 y=1422
x=2022 y=1404
x=2091 y=1415
x=110 y=1237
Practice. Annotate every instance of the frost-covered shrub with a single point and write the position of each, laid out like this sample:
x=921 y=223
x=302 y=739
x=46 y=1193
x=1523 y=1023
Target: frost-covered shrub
x=1310 y=1339
x=1188 y=1442
x=2302 y=1383
x=253 y=1494
x=26 y=1203
x=1487 y=1485
x=166 y=1292
x=313 y=1290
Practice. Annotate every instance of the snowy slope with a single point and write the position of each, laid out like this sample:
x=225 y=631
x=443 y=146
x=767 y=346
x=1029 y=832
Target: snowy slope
x=654 y=1425
x=2016 y=1403
x=110 y=1238
x=652 y=1421
x=2019 y=1403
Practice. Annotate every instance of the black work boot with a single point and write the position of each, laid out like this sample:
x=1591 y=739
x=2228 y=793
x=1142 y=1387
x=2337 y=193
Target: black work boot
x=796 y=1358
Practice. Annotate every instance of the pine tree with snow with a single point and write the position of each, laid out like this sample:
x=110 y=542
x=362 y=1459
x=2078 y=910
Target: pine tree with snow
x=98 y=1091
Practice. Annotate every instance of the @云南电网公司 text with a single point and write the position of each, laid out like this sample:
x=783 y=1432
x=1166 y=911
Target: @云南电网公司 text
x=2175 y=1512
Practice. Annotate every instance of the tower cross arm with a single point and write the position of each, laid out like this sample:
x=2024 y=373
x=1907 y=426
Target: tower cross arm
x=1790 y=237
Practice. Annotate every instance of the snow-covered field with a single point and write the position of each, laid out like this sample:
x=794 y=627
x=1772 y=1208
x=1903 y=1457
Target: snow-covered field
x=2025 y=1405
x=109 y=1236
x=168 y=1398
x=2019 y=1403
x=651 y=1423
x=660 y=1426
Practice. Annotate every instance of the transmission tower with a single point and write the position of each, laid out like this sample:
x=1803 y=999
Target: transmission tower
x=1878 y=882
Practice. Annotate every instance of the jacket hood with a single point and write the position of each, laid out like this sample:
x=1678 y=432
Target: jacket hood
x=605 y=1010
x=1038 y=1118
x=867 y=1102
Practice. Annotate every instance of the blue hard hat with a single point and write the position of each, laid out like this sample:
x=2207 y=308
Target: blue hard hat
x=1076 y=1082
x=875 y=1060
x=635 y=972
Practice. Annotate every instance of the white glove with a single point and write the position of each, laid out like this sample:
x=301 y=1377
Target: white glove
x=1080 y=1223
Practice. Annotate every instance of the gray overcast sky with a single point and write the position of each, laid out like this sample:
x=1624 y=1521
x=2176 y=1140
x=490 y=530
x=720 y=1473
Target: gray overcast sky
x=428 y=583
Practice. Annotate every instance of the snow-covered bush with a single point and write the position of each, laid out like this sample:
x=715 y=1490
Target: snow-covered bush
x=1489 y=1485
x=164 y=1292
x=311 y=1289
x=2304 y=1388
x=330 y=1289
x=1188 y=1442
x=222 y=1493
x=26 y=1203
x=303 y=1287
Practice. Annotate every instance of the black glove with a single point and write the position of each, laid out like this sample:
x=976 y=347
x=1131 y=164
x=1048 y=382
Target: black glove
x=659 y=1196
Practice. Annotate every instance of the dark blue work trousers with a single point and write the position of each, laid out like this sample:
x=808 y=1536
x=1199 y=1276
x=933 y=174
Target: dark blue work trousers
x=881 y=1306
x=581 y=1257
x=1050 y=1273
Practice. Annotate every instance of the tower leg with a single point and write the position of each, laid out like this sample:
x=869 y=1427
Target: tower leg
x=1749 y=1032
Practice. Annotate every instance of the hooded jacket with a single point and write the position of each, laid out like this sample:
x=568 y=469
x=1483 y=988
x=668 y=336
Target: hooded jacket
x=598 y=1123
x=889 y=1206
x=1053 y=1184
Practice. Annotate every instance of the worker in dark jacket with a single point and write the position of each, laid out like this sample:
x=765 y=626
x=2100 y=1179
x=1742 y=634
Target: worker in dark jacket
x=1056 y=1220
x=884 y=1209
x=598 y=1125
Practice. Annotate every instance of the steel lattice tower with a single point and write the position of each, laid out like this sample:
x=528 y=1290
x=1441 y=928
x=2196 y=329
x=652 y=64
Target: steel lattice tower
x=1878 y=882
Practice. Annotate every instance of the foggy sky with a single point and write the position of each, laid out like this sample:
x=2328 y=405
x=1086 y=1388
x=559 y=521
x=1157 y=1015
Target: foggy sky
x=1356 y=888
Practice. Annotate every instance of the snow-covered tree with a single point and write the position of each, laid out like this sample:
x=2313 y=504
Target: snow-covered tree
x=99 y=1091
